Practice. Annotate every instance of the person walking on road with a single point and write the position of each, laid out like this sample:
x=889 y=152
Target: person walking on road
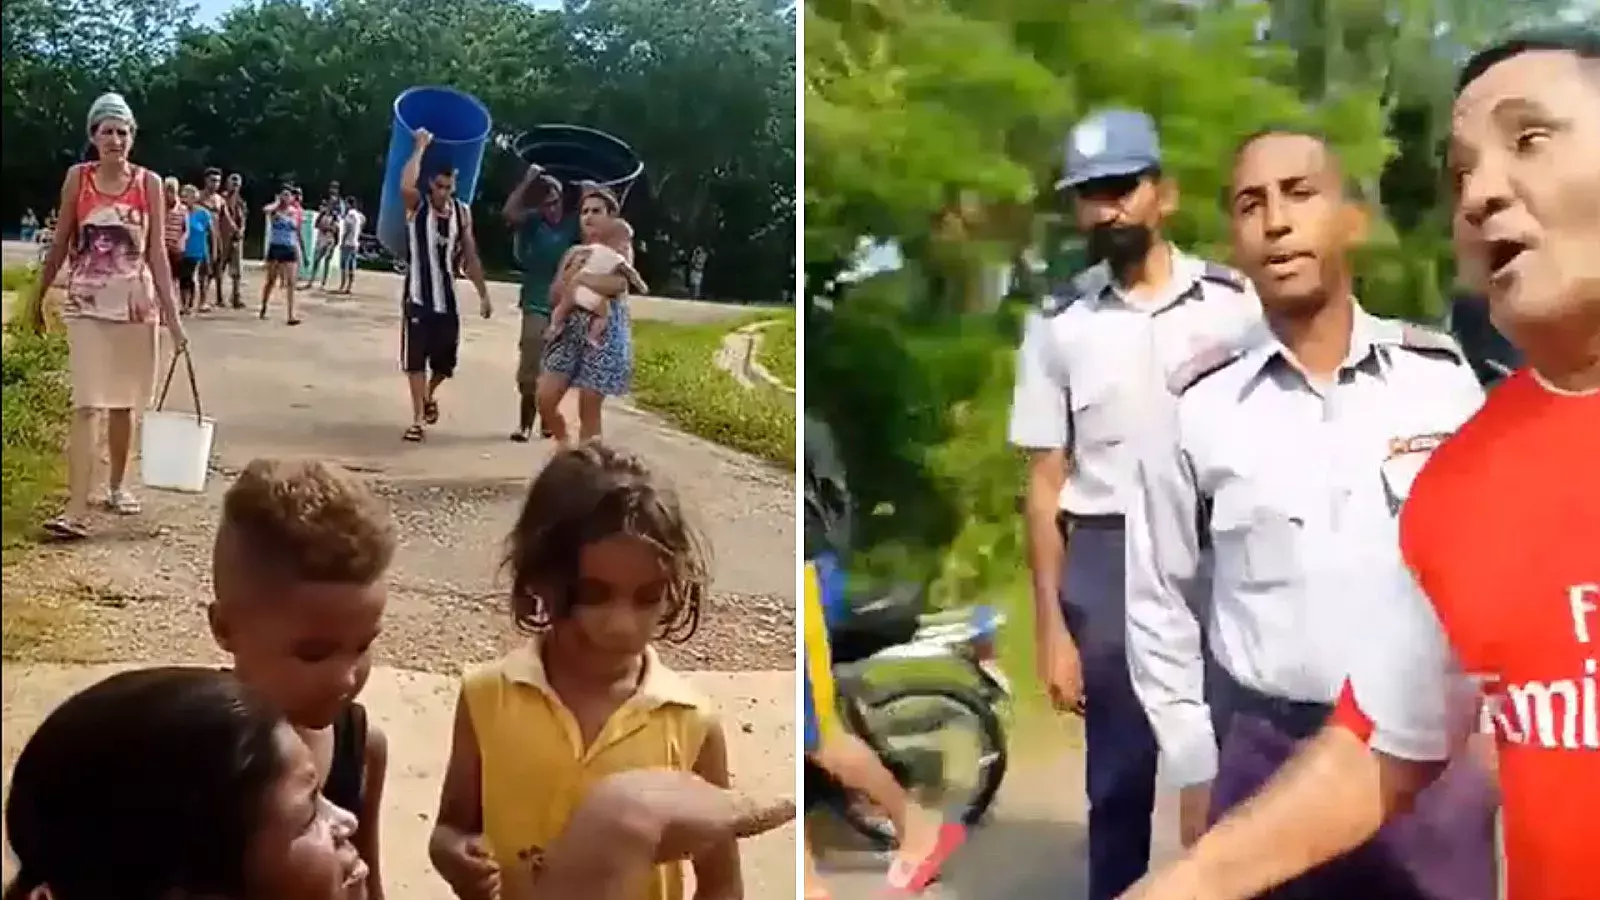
x=196 y=251
x=330 y=218
x=544 y=229
x=440 y=239
x=1090 y=376
x=177 y=235
x=1289 y=453
x=113 y=225
x=1491 y=621
x=350 y=244
x=285 y=249
x=598 y=370
x=230 y=224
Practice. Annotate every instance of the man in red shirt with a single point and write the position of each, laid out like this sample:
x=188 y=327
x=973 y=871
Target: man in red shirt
x=1501 y=533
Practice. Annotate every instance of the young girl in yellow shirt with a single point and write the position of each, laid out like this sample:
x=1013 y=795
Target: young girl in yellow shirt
x=602 y=563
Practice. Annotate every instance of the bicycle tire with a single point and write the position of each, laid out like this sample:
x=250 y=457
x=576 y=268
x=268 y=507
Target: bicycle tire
x=991 y=735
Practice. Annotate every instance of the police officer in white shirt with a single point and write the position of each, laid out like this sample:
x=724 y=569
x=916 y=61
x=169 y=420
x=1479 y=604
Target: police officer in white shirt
x=1091 y=374
x=1290 y=453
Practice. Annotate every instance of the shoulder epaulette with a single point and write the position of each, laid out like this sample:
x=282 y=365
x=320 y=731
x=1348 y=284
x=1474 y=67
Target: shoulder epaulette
x=1429 y=342
x=1059 y=297
x=1217 y=273
x=1207 y=362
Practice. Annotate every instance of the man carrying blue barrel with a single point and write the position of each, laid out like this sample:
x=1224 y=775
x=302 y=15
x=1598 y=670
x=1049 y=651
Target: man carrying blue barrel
x=439 y=238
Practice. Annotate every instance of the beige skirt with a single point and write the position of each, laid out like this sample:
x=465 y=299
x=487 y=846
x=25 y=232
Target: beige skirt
x=113 y=363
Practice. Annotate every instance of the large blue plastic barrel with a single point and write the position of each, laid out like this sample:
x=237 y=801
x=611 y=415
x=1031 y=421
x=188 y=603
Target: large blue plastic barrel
x=460 y=125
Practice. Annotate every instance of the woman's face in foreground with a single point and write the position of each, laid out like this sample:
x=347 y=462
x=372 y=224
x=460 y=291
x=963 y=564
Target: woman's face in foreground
x=593 y=215
x=113 y=138
x=302 y=845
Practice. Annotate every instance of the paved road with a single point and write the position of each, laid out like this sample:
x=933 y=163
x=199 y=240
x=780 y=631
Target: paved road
x=1034 y=847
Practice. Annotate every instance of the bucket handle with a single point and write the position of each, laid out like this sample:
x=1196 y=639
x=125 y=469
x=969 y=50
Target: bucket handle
x=194 y=385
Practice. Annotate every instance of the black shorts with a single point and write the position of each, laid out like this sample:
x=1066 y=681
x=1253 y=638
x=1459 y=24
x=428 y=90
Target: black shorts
x=280 y=254
x=429 y=343
x=187 y=266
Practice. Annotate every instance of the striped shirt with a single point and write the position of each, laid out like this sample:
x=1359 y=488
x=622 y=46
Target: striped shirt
x=434 y=245
x=177 y=222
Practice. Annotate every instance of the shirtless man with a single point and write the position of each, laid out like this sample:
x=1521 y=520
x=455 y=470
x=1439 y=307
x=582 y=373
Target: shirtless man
x=230 y=237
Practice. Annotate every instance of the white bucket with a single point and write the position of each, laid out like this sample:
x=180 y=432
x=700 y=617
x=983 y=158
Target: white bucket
x=175 y=450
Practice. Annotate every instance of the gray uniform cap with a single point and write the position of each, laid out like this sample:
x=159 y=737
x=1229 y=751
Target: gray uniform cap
x=1109 y=144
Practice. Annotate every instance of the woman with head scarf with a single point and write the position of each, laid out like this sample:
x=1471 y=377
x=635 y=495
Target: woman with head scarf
x=113 y=228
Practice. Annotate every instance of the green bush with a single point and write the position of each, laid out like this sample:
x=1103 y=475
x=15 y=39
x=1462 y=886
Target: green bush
x=676 y=376
x=920 y=407
x=33 y=423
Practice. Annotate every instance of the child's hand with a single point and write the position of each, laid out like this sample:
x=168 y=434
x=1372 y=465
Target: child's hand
x=465 y=864
x=597 y=331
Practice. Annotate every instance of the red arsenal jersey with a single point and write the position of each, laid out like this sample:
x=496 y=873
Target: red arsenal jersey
x=1502 y=534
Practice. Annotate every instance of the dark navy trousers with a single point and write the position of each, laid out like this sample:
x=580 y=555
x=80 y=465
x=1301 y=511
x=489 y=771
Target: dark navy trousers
x=1121 y=758
x=1444 y=849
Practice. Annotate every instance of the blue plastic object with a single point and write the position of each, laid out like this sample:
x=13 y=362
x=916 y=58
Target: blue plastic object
x=573 y=153
x=460 y=124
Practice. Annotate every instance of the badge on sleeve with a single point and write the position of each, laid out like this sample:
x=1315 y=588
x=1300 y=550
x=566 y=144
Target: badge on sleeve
x=1407 y=456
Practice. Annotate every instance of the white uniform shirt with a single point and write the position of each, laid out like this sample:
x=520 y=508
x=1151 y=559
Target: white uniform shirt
x=1092 y=369
x=1300 y=488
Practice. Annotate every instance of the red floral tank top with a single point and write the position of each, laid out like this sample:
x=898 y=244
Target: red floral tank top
x=110 y=278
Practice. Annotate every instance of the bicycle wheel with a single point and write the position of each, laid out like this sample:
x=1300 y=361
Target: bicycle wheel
x=916 y=731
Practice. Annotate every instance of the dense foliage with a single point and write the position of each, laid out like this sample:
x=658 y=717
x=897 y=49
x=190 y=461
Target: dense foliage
x=281 y=89
x=938 y=123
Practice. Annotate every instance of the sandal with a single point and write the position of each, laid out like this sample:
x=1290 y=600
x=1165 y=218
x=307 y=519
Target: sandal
x=908 y=878
x=294 y=321
x=520 y=436
x=414 y=434
x=430 y=412
x=123 y=503
x=63 y=528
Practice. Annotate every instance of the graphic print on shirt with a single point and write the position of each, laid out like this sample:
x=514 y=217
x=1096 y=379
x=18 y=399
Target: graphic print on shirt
x=1557 y=713
x=109 y=279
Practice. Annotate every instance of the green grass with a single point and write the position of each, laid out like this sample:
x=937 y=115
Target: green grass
x=777 y=351
x=15 y=278
x=33 y=423
x=675 y=376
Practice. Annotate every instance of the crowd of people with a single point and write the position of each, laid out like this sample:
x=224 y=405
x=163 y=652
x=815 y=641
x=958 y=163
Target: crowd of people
x=134 y=245
x=1289 y=553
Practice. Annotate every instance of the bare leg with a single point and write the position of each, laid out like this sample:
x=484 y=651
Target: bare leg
x=851 y=761
x=266 y=287
x=590 y=404
x=552 y=388
x=119 y=435
x=289 y=276
x=81 y=453
x=203 y=279
x=235 y=271
x=417 y=384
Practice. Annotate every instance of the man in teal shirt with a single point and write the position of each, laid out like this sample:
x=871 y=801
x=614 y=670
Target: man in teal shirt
x=543 y=229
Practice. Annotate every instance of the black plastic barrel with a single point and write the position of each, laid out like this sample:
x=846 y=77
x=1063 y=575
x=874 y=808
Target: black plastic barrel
x=573 y=153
